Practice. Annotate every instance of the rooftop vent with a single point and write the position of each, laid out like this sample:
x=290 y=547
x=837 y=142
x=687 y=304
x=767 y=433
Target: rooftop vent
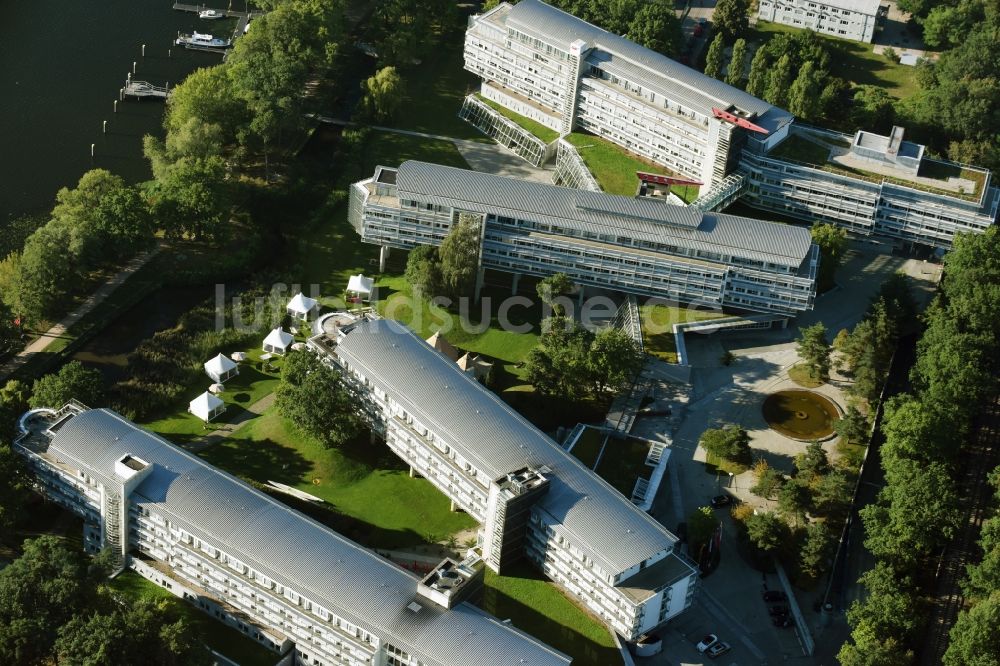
x=415 y=607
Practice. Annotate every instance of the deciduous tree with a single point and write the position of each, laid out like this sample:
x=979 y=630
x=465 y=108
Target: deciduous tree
x=312 y=395
x=832 y=242
x=459 y=255
x=423 y=270
x=814 y=349
x=760 y=69
x=715 y=57
x=729 y=443
x=737 y=63
x=816 y=550
x=778 y=81
x=656 y=26
x=804 y=95
x=766 y=531
x=383 y=94
x=732 y=18
x=72 y=382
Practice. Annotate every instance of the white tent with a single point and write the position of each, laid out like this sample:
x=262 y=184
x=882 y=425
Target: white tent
x=221 y=368
x=278 y=341
x=301 y=306
x=361 y=286
x=207 y=406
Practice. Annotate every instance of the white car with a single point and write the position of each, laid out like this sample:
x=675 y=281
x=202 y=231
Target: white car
x=707 y=642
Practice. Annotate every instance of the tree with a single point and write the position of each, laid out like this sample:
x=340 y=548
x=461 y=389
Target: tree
x=46 y=272
x=814 y=349
x=891 y=608
x=760 y=69
x=552 y=288
x=15 y=489
x=558 y=365
x=732 y=18
x=915 y=514
x=459 y=254
x=974 y=638
x=816 y=550
x=206 y=96
x=614 y=359
x=728 y=443
x=793 y=500
x=192 y=198
x=917 y=430
x=312 y=395
x=832 y=242
x=766 y=531
x=769 y=480
x=383 y=94
x=194 y=138
x=778 y=82
x=853 y=426
x=657 y=27
x=804 y=96
x=872 y=109
x=832 y=493
x=10 y=334
x=715 y=57
x=737 y=63
x=72 y=382
x=812 y=463
x=423 y=270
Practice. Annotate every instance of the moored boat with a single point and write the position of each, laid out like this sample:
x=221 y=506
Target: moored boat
x=211 y=14
x=201 y=40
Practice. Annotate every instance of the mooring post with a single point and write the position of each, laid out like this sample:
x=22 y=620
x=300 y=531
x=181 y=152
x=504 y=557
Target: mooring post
x=116 y=106
x=143 y=50
x=170 y=53
x=92 y=150
x=133 y=66
x=105 y=127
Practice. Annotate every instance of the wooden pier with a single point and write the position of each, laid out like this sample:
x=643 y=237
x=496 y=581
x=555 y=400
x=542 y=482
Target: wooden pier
x=243 y=21
x=145 y=89
x=195 y=9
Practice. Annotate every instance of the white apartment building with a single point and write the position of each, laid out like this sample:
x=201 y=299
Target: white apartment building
x=640 y=245
x=847 y=19
x=532 y=498
x=284 y=580
x=871 y=185
x=565 y=73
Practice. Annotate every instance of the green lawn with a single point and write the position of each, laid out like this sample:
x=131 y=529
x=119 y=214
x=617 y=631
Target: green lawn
x=623 y=462
x=223 y=639
x=588 y=446
x=539 y=130
x=715 y=465
x=657 y=326
x=435 y=91
x=539 y=608
x=391 y=149
x=614 y=167
x=364 y=482
x=854 y=61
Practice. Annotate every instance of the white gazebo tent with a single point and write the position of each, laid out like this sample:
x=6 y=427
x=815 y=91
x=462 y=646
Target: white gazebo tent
x=278 y=341
x=221 y=368
x=302 y=307
x=361 y=286
x=207 y=406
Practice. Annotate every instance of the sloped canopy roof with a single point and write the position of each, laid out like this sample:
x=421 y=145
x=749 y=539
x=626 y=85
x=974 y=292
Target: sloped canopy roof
x=360 y=284
x=279 y=338
x=219 y=365
x=204 y=405
x=439 y=343
x=301 y=303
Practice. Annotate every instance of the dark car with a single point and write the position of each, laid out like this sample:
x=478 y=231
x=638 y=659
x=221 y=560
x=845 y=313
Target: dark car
x=778 y=610
x=718 y=649
x=720 y=501
x=783 y=621
x=774 y=595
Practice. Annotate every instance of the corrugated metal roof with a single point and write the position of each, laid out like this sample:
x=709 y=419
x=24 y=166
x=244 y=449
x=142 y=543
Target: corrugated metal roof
x=484 y=430
x=640 y=218
x=673 y=79
x=297 y=552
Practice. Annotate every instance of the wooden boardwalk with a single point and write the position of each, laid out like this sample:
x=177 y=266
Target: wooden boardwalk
x=144 y=89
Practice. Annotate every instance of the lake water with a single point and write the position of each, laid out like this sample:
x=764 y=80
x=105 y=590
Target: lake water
x=62 y=63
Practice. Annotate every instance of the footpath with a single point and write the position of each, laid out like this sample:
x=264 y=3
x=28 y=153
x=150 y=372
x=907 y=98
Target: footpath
x=60 y=329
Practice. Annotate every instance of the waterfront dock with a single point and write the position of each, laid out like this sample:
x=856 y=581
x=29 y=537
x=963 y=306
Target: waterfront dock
x=144 y=89
x=195 y=9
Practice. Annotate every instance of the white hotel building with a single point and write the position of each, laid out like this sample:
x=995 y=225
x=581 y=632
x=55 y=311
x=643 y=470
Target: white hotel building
x=640 y=245
x=567 y=74
x=847 y=19
x=532 y=498
x=284 y=580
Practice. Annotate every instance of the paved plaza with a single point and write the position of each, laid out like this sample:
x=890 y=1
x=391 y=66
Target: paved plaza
x=729 y=603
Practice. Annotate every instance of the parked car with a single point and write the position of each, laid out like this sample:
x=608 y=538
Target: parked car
x=720 y=501
x=707 y=642
x=717 y=650
x=774 y=595
x=778 y=610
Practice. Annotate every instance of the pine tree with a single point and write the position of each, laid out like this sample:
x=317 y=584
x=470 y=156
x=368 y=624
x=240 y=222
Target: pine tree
x=778 y=81
x=713 y=61
x=759 y=70
x=737 y=62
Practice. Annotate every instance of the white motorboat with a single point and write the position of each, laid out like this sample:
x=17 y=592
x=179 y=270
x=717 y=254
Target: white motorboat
x=201 y=40
x=211 y=14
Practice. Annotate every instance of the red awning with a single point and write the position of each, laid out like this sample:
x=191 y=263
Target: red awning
x=736 y=120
